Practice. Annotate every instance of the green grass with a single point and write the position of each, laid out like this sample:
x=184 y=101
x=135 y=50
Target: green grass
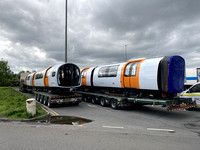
x=13 y=105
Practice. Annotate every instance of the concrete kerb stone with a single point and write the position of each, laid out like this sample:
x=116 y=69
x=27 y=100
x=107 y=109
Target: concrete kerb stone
x=44 y=118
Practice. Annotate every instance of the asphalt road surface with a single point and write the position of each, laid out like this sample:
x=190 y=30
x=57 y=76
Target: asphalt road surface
x=145 y=128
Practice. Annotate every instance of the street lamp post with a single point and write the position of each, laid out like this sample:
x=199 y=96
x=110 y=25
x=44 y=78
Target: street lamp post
x=66 y=32
x=125 y=52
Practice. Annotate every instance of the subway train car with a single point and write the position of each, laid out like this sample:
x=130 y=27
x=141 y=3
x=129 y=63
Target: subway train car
x=156 y=77
x=63 y=76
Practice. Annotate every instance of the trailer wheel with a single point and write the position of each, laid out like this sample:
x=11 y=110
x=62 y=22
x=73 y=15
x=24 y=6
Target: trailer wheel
x=38 y=97
x=113 y=103
x=75 y=104
x=102 y=101
x=93 y=100
x=41 y=99
x=49 y=104
x=84 y=99
x=45 y=100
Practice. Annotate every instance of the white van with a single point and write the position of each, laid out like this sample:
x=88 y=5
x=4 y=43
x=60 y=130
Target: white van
x=193 y=92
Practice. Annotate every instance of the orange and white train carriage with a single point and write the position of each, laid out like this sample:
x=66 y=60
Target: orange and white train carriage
x=163 y=77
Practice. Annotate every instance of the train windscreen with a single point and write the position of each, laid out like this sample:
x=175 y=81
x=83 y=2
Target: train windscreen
x=69 y=75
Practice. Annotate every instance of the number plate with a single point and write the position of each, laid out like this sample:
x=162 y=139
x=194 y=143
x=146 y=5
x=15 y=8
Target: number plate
x=67 y=100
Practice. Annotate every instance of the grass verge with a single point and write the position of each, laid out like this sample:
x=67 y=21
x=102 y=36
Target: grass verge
x=13 y=105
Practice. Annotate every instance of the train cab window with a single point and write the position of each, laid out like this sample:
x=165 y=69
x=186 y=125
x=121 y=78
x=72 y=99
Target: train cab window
x=83 y=74
x=69 y=75
x=131 y=69
x=53 y=74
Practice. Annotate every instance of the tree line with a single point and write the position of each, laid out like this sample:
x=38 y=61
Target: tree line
x=7 y=77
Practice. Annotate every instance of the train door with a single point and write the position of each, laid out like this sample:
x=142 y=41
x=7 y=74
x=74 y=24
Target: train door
x=131 y=74
x=127 y=76
x=134 y=82
x=46 y=77
x=84 y=76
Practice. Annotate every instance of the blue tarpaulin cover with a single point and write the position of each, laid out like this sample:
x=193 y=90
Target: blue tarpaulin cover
x=176 y=74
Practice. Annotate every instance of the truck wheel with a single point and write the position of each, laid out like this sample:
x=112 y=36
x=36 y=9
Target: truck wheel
x=49 y=104
x=45 y=100
x=38 y=97
x=113 y=104
x=93 y=100
x=84 y=99
x=102 y=101
x=41 y=99
x=76 y=103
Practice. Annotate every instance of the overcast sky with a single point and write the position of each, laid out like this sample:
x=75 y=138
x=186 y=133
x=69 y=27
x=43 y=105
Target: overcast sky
x=32 y=32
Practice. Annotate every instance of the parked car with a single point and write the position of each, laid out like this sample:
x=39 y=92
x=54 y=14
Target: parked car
x=193 y=92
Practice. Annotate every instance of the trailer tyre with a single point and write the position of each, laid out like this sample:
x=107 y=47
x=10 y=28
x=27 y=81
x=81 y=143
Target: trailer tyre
x=49 y=104
x=113 y=103
x=93 y=100
x=102 y=101
x=84 y=98
x=41 y=99
x=45 y=100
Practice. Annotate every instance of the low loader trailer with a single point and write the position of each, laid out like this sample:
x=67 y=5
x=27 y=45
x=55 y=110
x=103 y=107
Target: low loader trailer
x=119 y=101
x=51 y=99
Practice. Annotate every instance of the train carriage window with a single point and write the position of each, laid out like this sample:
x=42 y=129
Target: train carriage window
x=53 y=74
x=28 y=78
x=113 y=71
x=102 y=72
x=108 y=71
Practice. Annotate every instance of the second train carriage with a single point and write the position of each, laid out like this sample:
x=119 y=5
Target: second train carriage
x=163 y=77
x=59 y=76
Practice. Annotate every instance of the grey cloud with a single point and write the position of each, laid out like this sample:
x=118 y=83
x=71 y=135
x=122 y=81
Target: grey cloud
x=98 y=30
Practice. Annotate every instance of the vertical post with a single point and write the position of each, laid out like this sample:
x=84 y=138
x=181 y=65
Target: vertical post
x=66 y=32
x=125 y=52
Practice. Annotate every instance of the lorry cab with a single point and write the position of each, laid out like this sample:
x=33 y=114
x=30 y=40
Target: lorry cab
x=193 y=92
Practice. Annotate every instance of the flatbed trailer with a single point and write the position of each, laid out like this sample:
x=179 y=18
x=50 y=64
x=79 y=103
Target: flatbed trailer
x=119 y=101
x=51 y=99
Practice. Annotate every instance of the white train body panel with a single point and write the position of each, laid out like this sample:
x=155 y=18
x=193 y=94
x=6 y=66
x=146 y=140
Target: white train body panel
x=108 y=81
x=148 y=74
x=52 y=79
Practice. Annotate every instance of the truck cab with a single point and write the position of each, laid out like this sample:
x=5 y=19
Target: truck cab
x=193 y=92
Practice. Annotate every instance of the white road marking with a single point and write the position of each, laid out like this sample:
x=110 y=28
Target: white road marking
x=155 y=129
x=113 y=127
x=92 y=106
